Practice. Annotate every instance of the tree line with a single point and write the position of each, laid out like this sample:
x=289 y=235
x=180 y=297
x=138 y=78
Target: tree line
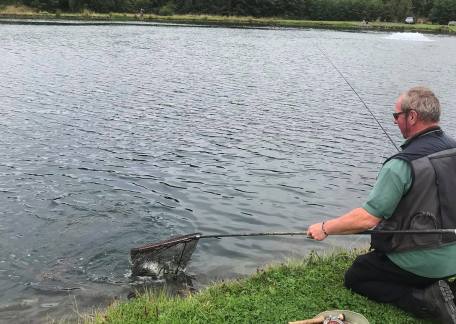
x=440 y=11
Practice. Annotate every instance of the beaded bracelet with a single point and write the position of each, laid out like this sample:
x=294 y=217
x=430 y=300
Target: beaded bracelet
x=323 y=228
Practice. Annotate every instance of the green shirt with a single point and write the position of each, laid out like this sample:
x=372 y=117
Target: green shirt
x=394 y=180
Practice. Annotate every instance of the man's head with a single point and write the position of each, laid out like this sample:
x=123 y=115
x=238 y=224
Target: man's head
x=416 y=110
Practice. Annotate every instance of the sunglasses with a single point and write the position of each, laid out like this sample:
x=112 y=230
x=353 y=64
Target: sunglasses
x=397 y=114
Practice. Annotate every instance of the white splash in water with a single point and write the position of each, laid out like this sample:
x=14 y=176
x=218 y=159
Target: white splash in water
x=414 y=37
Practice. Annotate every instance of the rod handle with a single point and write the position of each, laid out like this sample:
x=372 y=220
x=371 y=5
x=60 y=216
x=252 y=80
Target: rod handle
x=316 y=320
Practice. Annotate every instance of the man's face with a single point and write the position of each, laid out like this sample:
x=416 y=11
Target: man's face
x=401 y=120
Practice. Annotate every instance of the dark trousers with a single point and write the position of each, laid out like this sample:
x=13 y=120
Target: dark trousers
x=375 y=276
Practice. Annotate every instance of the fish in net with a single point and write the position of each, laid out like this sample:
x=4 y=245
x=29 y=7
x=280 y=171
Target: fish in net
x=165 y=258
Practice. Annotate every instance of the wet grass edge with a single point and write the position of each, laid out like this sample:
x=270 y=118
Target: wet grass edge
x=295 y=290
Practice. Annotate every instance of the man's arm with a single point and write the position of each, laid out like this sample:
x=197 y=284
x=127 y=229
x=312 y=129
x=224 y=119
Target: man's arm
x=355 y=221
x=393 y=182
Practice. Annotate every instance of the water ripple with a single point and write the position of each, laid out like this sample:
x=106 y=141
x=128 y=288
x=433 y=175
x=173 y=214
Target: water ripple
x=113 y=137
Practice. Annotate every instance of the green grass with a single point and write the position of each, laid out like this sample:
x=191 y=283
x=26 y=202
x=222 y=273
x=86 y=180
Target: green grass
x=22 y=12
x=280 y=293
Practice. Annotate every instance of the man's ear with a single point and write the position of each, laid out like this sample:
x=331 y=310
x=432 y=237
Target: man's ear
x=414 y=117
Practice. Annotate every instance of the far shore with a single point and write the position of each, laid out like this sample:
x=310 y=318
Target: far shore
x=7 y=17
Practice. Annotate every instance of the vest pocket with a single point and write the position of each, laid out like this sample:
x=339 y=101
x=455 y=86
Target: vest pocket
x=425 y=221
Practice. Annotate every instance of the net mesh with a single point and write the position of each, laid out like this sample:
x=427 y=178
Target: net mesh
x=163 y=258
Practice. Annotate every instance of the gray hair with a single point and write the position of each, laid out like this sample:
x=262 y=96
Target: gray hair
x=424 y=102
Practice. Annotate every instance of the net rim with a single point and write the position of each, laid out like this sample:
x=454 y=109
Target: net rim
x=165 y=243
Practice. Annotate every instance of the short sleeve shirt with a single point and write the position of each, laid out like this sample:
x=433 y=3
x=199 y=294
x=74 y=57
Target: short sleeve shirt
x=394 y=180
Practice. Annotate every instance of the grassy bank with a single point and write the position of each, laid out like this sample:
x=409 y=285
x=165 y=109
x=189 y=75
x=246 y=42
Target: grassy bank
x=12 y=12
x=281 y=293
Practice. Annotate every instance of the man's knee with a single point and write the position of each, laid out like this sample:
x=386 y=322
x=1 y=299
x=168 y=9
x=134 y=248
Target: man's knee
x=354 y=274
x=350 y=279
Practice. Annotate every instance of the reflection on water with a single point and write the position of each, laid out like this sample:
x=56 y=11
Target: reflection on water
x=116 y=136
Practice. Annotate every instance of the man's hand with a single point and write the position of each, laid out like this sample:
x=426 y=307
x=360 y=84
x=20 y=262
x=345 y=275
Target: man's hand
x=316 y=232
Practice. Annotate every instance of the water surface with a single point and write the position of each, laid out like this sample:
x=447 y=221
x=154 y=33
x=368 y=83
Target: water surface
x=115 y=136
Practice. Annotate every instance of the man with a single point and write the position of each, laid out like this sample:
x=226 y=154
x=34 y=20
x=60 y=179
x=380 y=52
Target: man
x=415 y=189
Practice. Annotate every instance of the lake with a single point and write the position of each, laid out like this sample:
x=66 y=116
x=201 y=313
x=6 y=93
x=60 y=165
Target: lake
x=116 y=136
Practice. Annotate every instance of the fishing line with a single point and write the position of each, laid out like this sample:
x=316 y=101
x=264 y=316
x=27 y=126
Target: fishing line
x=359 y=97
x=174 y=253
x=365 y=105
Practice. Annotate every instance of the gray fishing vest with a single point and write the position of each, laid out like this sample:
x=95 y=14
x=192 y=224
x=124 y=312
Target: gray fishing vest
x=430 y=203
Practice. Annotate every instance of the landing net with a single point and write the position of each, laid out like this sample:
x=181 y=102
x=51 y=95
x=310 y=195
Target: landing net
x=164 y=258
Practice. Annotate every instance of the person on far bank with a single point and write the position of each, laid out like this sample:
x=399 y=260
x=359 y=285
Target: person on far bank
x=415 y=189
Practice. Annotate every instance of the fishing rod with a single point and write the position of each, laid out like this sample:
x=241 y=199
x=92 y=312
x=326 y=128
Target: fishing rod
x=359 y=97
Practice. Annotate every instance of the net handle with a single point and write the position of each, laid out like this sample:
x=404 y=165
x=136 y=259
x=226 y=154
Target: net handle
x=368 y=232
x=197 y=236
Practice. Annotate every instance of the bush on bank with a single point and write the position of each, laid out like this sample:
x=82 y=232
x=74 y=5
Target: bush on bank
x=27 y=13
x=280 y=293
x=441 y=11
